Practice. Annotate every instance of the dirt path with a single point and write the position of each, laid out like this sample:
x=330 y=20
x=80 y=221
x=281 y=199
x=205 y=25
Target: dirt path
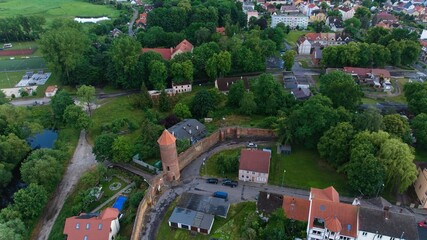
x=82 y=160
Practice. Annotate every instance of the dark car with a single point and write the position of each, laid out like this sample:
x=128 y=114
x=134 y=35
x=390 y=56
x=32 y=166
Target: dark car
x=230 y=183
x=212 y=180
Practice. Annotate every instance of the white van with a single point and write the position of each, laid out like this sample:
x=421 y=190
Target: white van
x=7 y=45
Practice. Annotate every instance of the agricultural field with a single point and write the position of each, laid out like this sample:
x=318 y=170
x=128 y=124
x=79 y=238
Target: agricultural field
x=51 y=9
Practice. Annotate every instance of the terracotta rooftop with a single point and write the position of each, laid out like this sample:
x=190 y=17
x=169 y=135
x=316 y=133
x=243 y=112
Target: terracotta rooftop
x=329 y=194
x=166 y=138
x=184 y=46
x=93 y=226
x=51 y=88
x=365 y=71
x=220 y=30
x=296 y=208
x=336 y=216
x=255 y=160
x=165 y=52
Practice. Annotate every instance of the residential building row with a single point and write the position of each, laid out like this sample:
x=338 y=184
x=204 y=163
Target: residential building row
x=329 y=218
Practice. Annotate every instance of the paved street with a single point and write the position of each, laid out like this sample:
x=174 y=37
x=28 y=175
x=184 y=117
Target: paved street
x=30 y=102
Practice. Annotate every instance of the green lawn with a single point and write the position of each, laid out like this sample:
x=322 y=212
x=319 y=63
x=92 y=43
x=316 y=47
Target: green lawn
x=226 y=229
x=121 y=107
x=10 y=79
x=20 y=63
x=210 y=169
x=293 y=36
x=304 y=169
x=51 y=9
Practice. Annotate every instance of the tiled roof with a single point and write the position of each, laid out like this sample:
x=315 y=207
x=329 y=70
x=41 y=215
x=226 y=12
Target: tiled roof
x=184 y=46
x=329 y=194
x=335 y=214
x=166 y=138
x=165 y=52
x=220 y=30
x=268 y=202
x=255 y=160
x=142 y=19
x=364 y=71
x=51 y=89
x=296 y=208
x=91 y=225
x=224 y=84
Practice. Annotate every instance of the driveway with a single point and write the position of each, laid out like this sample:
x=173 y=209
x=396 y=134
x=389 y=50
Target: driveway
x=30 y=102
x=83 y=159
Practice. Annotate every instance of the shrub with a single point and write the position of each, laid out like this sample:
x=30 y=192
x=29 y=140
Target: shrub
x=24 y=93
x=136 y=198
x=13 y=96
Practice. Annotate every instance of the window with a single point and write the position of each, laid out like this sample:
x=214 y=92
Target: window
x=419 y=187
x=87 y=225
x=243 y=176
x=78 y=226
x=100 y=226
x=168 y=168
x=364 y=234
x=85 y=238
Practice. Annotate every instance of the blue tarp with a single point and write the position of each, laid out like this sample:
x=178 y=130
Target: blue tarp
x=120 y=202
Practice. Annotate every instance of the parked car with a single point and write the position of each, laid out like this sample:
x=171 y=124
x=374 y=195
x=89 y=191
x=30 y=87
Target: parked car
x=222 y=195
x=251 y=145
x=423 y=224
x=212 y=180
x=230 y=183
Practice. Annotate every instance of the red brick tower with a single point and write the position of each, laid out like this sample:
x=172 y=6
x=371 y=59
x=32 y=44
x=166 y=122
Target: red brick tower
x=169 y=155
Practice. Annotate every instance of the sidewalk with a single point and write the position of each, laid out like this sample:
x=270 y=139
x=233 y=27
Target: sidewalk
x=113 y=197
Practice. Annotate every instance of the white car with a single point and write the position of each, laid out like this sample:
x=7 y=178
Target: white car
x=251 y=145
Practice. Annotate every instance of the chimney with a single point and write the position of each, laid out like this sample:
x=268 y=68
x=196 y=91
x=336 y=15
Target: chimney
x=386 y=212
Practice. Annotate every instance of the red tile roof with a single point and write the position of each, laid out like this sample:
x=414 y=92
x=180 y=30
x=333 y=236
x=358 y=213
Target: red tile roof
x=142 y=19
x=51 y=89
x=329 y=194
x=220 y=30
x=296 y=208
x=255 y=160
x=165 y=52
x=94 y=227
x=336 y=216
x=365 y=71
x=166 y=138
x=184 y=46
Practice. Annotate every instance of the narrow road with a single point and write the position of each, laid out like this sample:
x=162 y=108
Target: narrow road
x=131 y=169
x=83 y=159
x=29 y=102
x=132 y=21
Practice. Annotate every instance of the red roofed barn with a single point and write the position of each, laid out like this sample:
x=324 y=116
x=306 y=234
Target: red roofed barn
x=254 y=166
x=88 y=226
x=170 y=53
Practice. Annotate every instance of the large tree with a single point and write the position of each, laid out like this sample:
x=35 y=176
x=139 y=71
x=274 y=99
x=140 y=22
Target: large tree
x=288 y=59
x=419 y=125
x=103 y=147
x=182 y=111
x=218 y=65
x=235 y=94
x=122 y=150
x=202 y=103
x=59 y=103
x=147 y=142
x=396 y=126
x=86 y=95
x=182 y=72
x=30 y=201
x=75 y=117
x=158 y=74
x=370 y=119
x=334 y=145
x=43 y=170
x=416 y=95
x=124 y=53
x=341 y=89
x=247 y=104
x=64 y=48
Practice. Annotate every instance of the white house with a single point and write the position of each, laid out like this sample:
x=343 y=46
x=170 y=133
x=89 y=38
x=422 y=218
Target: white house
x=385 y=224
x=51 y=91
x=346 y=12
x=304 y=46
x=291 y=20
x=305 y=43
x=86 y=226
x=254 y=165
x=181 y=88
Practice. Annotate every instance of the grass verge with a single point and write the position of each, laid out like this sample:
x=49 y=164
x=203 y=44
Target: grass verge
x=210 y=167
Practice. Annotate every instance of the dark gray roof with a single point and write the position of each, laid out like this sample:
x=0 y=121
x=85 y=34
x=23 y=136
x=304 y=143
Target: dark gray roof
x=205 y=204
x=192 y=218
x=374 y=220
x=291 y=84
x=188 y=129
x=268 y=202
x=301 y=93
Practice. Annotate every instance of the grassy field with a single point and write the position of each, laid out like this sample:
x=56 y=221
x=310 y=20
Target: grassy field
x=304 y=169
x=209 y=169
x=293 y=36
x=10 y=79
x=226 y=229
x=51 y=9
x=121 y=107
x=20 y=63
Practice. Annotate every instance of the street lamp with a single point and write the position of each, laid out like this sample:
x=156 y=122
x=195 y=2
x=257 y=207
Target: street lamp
x=283 y=177
x=379 y=187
